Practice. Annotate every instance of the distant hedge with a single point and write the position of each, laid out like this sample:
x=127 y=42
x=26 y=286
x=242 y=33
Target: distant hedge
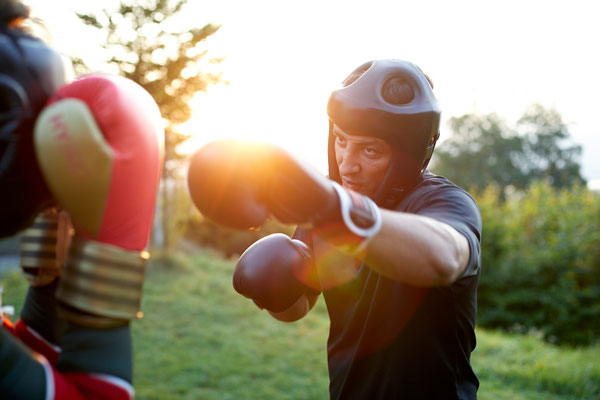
x=541 y=263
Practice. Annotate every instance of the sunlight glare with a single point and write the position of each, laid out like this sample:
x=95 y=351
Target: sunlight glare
x=256 y=111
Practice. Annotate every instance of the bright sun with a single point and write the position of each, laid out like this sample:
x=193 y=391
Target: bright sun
x=256 y=109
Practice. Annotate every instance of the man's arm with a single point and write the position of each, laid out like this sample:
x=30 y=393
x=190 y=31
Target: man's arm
x=410 y=248
x=418 y=250
x=260 y=180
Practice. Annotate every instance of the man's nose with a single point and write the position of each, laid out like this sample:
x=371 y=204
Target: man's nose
x=349 y=162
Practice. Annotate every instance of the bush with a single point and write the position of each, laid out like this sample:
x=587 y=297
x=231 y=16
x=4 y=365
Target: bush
x=541 y=262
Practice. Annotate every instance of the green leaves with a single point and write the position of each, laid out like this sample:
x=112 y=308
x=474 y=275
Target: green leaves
x=484 y=150
x=143 y=46
x=541 y=262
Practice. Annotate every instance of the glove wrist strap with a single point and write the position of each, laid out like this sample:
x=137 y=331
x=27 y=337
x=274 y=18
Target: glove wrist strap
x=43 y=246
x=359 y=213
x=101 y=284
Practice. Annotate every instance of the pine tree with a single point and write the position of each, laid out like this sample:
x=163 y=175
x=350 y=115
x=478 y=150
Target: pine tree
x=146 y=44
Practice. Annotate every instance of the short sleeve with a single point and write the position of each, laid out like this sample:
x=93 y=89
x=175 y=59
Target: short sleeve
x=455 y=207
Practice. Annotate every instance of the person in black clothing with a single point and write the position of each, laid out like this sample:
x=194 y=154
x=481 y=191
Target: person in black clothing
x=394 y=249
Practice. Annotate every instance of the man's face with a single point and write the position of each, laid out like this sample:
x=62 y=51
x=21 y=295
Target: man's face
x=361 y=160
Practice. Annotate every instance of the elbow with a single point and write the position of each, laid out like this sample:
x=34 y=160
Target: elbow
x=446 y=272
x=450 y=263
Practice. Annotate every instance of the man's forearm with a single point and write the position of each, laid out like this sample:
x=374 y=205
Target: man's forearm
x=417 y=250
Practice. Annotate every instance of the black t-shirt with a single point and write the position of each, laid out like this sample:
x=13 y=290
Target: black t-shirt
x=391 y=340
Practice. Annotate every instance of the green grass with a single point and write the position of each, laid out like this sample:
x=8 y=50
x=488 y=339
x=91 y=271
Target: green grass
x=199 y=339
x=521 y=367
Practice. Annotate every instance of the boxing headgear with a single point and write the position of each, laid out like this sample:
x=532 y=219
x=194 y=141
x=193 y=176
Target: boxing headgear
x=30 y=72
x=392 y=100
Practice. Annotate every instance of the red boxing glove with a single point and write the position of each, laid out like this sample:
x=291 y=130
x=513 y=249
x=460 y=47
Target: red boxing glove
x=100 y=146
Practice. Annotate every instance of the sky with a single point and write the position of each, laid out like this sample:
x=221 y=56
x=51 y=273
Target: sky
x=283 y=58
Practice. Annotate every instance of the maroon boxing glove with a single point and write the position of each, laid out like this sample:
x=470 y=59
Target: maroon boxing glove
x=275 y=272
x=240 y=184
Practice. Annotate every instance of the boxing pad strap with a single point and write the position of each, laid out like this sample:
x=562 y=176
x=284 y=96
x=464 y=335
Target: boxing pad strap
x=102 y=284
x=43 y=246
x=38 y=250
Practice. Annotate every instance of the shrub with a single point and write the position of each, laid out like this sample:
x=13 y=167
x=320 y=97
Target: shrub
x=541 y=262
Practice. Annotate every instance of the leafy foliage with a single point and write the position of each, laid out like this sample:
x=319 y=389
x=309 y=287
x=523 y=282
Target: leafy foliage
x=541 y=262
x=483 y=150
x=549 y=155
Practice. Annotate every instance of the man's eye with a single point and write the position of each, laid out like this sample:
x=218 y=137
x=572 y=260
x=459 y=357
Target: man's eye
x=371 y=152
x=341 y=141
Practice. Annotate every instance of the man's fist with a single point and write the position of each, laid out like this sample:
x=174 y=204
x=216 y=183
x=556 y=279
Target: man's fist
x=240 y=184
x=275 y=272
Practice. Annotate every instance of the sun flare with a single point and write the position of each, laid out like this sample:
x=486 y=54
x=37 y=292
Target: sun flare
x=267 y=112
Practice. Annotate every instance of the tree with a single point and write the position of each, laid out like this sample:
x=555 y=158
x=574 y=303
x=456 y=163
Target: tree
x=483 y=150
x=549 y=155
x=148 y=47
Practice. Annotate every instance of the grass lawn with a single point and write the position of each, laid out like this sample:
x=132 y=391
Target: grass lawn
x=199 y=339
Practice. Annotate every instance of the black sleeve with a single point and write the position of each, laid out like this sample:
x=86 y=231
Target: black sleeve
x=456 y=208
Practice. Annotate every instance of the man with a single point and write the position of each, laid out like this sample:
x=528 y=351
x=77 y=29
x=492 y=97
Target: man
x=80 y=164
x=395 y=250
